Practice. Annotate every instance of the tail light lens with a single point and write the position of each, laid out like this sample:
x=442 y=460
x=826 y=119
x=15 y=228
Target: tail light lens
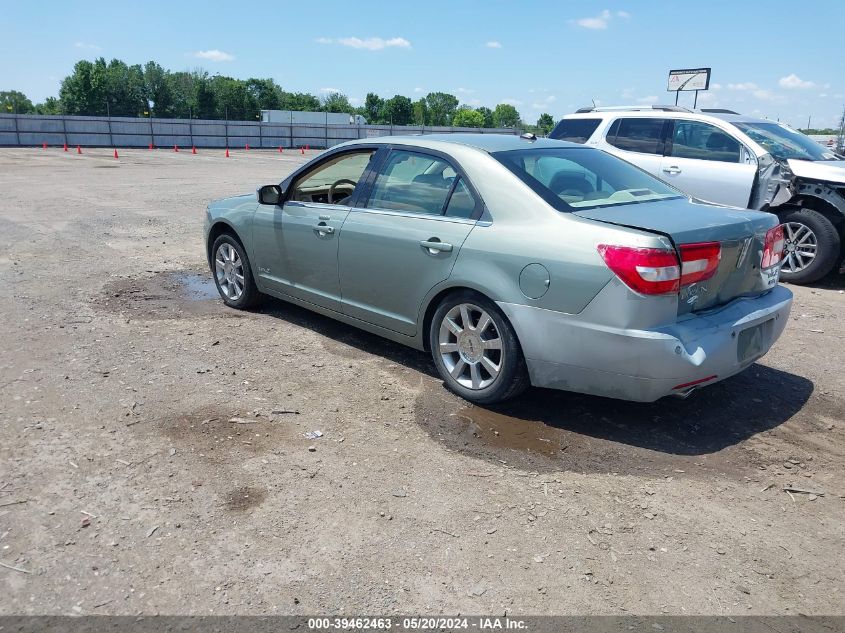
x=699 y=261
x=774 y=247
x=649 y=271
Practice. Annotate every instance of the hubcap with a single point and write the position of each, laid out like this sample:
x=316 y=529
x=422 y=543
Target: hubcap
x=801 y=247
x=229 y=271
x=471 y=346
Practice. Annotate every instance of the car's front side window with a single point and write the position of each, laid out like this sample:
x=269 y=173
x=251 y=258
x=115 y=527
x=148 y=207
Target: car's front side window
x=693 y=139
x=414 y=182
x=334 y=181
x=637 y=134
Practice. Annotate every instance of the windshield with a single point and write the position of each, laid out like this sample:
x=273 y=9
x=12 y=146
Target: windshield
x=571 y=178
x=784 y=143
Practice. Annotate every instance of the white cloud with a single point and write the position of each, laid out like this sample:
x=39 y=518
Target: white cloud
x=86 y=46
x=647 y=100
x=418 y=89
x=513 y=102
x=328 y=91
x=465 y=91
x=369 y=44
x=544 y=103
x=794 y=82
x=748 y=85
x=493 y=44
x=600 y=21
x=214 y=55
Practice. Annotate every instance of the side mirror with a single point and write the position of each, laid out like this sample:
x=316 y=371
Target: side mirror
x=269 y=194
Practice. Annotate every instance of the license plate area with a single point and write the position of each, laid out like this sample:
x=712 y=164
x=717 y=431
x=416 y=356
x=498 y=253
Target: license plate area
x=754 y=341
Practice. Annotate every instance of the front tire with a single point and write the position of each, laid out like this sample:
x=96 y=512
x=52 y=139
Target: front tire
x=812 y=244
x=232 y=273
x=475 y=349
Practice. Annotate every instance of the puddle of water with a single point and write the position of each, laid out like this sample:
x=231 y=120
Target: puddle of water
x=501 y=431
x=243 y=498
x=196 y=287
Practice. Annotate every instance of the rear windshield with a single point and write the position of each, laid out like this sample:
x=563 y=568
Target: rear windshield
x=578 y=178
x=575 y=130
x=784 y=143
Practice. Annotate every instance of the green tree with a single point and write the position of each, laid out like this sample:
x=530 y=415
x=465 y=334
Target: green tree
x=14 y=101
x=467 y=117
x=232 y=100
x=397 y=110
x=300 y=101
x=157 y=90
x=545 y=124
x=372 y=107
x=336 y=102
x=505 y=115
x=487 y=113
x=268 y=94
x=420 y=112
x=51 y=105
x=441 y=108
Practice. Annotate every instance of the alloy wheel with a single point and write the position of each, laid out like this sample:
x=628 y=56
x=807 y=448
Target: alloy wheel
x=471 y=346
x=229 y=270
x=801 y=247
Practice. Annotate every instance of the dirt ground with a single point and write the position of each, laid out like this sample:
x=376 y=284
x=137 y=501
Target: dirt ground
x=126 y=487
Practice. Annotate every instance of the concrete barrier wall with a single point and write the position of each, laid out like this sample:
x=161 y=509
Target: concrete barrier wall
x=27 y=130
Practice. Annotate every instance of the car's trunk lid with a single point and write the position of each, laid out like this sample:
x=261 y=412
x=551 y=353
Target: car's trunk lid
x=741 y=234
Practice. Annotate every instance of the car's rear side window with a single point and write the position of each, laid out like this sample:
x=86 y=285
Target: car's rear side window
x=414 y=182
x=575 y=130
x=461 y=203
x=641 y=134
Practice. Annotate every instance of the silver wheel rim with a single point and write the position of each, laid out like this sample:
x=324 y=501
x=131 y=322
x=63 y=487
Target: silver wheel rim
x=801 y=247
x=471 y=346
x=229 y=271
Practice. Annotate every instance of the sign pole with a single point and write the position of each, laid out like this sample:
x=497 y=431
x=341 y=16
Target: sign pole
x=676 y=96
x=695 y=102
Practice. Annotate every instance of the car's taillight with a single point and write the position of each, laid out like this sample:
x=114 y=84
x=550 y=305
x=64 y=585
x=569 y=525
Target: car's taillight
x=649 y=271
x=699 y=261
x=774 y=247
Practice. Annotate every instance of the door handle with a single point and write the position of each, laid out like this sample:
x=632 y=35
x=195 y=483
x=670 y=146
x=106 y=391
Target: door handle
x=323 y=229
x=435 y=246
x=672 y=169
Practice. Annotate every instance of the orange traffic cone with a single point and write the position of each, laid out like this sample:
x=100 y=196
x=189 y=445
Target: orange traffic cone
x=302 y=150
x=65 y=146
x=227 y=152
x=78 y=149
x=151 y=145
x=193 y=150
x=115 y=152
x=175 y=148
x=280 y=149
x=247 y=147
x=43 y=145
x=307 y=147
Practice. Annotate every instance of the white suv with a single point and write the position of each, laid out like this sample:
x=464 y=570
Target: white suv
x=724 y=157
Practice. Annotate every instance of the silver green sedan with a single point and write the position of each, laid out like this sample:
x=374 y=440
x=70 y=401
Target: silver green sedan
x=515 y=261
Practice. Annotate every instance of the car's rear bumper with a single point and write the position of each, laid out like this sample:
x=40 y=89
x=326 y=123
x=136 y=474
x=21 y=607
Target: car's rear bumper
x=565 y=351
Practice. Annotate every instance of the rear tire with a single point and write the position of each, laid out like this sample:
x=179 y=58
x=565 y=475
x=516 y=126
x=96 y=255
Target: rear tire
x=233 y=274
x=475 y=349
x=807 y=232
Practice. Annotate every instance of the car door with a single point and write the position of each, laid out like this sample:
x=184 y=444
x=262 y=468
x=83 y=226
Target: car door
x=638 y=140
x=405 y=238
x=706 y=162
x=296 y=244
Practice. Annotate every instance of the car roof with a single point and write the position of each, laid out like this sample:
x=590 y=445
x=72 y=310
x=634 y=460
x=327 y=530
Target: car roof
x=663 y=114
x=485 y=142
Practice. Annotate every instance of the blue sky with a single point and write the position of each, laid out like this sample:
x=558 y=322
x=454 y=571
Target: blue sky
x=774 y=59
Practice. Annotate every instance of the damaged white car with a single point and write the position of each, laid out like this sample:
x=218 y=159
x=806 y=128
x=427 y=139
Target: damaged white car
x=727 y=158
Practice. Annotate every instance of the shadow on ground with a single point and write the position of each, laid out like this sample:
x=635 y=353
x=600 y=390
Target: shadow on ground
x=575 y=431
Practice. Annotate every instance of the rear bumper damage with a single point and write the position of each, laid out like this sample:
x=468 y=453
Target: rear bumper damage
x=575 y=353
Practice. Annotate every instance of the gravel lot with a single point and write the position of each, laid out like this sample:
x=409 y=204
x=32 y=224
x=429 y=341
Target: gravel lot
x=125 y=486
